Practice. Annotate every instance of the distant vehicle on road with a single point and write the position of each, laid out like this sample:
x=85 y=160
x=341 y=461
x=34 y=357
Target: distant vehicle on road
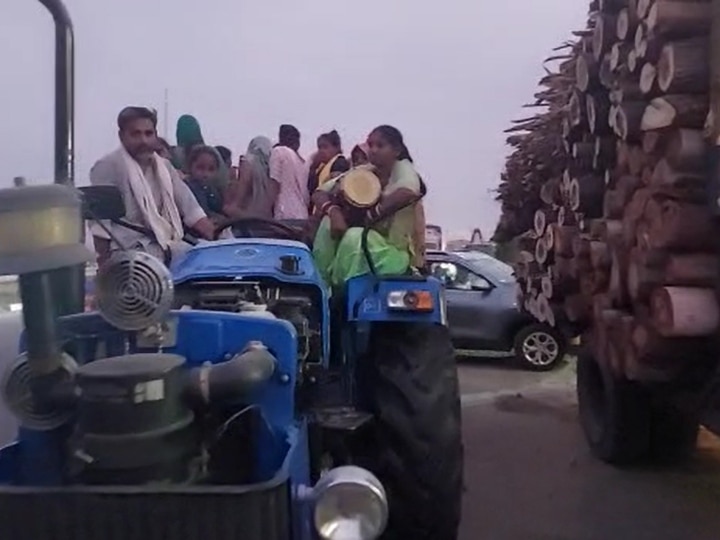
x=483 y=313
x=487 y=247
x=433 y=237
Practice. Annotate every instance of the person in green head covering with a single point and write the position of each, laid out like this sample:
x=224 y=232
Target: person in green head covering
x=188 y=134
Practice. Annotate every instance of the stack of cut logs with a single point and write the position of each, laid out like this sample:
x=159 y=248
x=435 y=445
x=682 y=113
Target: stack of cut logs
x=624 y=246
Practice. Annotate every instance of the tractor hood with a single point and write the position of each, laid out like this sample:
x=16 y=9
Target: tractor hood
x=247 y=257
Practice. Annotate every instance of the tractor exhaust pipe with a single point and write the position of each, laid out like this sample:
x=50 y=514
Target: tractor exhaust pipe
x=68 y=285
x=64 y=92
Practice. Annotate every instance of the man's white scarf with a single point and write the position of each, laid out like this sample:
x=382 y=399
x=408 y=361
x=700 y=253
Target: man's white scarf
x=166 y=226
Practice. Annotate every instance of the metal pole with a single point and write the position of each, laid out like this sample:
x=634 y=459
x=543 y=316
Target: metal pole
x=166 y=107
x=68 y=284
x=64 y=92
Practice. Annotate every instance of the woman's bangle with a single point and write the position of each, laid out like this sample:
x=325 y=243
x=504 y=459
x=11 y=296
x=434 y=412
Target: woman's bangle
x=324 y=207
x=374 y=212
x=332 y=207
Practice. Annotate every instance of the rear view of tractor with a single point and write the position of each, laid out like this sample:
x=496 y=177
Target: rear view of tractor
x=230 y=396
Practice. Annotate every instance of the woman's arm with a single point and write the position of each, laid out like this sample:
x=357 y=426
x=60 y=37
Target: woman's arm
x=398 y=199
x=404 y=190
x=324 y=204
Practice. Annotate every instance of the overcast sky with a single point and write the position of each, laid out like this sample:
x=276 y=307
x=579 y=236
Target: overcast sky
x=449 y=74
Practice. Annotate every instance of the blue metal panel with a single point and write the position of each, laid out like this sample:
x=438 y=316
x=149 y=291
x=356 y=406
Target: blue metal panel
x=205 y=336
x=243 y=257
x=299 y=472
x=202 y=336
x=366 y=298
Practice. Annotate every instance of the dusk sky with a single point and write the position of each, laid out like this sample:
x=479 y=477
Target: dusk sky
x=450 y=75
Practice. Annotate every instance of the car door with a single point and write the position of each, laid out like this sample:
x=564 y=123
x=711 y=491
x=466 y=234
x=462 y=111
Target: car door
x=469 y=304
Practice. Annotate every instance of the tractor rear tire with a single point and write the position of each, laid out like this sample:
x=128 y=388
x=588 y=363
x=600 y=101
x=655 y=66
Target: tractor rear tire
x=615 y=413
x=414 y=394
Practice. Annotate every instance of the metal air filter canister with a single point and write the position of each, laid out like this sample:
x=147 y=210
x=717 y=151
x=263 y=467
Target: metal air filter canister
x=41 y=229
x=133 y=427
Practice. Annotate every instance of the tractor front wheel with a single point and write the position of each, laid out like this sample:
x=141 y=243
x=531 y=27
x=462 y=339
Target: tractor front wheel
x=412 y=389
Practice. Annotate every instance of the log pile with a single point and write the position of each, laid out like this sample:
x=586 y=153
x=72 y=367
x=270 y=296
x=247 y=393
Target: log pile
x=622 y=244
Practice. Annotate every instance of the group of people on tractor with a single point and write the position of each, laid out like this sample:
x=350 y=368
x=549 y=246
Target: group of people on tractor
x=194 y=189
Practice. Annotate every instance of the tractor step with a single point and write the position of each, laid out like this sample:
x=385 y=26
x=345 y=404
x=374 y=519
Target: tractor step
x=347 y=419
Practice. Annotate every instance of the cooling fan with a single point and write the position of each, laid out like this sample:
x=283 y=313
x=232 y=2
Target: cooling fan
x=133 y=290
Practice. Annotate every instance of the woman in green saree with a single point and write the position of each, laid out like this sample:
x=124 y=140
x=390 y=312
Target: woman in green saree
x=393 y=242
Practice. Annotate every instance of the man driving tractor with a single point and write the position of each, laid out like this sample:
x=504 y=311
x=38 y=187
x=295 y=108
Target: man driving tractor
x=159 y=205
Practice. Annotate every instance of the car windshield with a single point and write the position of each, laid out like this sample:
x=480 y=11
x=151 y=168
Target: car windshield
x=483 y=263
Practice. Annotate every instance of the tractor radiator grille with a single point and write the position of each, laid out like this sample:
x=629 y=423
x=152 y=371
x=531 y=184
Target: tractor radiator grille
x=215 y=513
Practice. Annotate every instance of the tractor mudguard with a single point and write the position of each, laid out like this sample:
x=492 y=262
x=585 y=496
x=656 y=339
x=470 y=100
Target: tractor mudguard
x=366 y=298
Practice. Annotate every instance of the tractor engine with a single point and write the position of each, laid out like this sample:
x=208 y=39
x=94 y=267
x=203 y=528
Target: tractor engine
x=261 y=296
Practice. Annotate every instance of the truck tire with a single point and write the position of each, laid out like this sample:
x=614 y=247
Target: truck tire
x=539 y=347
x=412 y=390
x=674 y=433
x=615 y=413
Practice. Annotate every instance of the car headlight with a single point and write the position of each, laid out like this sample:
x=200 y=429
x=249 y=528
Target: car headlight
x=350 y=504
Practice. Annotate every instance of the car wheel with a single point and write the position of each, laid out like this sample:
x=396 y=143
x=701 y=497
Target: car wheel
x=539 y=347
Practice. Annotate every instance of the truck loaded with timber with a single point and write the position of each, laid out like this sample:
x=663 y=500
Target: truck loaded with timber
x=612 y=193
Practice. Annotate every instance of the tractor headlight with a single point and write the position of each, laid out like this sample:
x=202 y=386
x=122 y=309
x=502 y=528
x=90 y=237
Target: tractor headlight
x=350 y=503
x=410 y=301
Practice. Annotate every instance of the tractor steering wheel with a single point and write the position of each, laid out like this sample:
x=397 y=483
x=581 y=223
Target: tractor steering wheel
x=257 y=227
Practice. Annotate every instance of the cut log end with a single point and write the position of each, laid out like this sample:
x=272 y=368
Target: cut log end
x=647 y=78
x=658 y=114
x=684 y=311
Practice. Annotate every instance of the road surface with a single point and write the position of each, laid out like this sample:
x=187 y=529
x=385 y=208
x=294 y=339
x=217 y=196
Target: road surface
x=529 y=475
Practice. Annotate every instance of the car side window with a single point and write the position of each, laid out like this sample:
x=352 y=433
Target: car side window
x=458 y=277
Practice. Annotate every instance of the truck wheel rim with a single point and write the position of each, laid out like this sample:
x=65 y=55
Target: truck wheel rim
x=540 y=349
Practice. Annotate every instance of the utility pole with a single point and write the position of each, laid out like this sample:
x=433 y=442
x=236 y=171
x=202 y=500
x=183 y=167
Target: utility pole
x=166 y=118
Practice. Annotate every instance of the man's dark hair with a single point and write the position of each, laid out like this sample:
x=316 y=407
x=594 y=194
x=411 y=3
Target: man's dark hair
x=288 y=134
x=130 y=114
x=225 y=153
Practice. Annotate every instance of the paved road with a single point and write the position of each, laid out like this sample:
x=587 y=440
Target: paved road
x=529 y=475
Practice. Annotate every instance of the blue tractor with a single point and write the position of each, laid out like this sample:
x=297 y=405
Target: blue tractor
x=231 y=396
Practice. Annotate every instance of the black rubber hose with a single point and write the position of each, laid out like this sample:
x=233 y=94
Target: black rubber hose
x=232 y=379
